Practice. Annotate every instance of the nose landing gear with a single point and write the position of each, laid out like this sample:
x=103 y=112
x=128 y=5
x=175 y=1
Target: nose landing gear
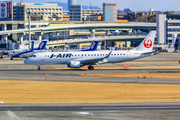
x=39 y=68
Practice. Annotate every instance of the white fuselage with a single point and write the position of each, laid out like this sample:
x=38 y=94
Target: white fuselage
x=66 y=57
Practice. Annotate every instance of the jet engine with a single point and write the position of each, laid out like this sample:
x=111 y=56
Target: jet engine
x=75 y=64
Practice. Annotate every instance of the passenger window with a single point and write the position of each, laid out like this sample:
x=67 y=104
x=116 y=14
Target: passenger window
x=123 y=54
x=94 y=54
x=114 y=54
x=103 y=54
x=88 y=55
x=97 y=54
x=91 y=54
x=111 y=54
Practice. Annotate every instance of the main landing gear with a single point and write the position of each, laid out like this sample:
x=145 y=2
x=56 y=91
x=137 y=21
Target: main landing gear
x=91 y=67
x=39 y=68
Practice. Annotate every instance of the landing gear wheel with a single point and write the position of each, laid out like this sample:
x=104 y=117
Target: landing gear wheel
x=91 y=68
x=39 y=68
x=11 y=58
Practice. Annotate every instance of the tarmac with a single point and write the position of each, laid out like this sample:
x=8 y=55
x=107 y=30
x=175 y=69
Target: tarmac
x=16 y=70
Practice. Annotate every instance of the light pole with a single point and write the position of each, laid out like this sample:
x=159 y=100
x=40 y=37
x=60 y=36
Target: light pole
x=29 y=17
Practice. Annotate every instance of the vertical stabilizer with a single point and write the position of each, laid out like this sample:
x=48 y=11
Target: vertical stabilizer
x=93 y=46
x=148 y=43
x=41 y=46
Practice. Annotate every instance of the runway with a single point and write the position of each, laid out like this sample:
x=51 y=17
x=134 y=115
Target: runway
x=113 y=111
x=90 y=107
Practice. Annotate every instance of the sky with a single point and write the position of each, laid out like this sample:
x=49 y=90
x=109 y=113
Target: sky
x=135 y=5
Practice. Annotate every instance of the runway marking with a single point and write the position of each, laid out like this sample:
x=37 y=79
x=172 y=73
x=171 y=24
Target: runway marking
x=120 y=67
x=10 y=68
x=84 y=113
x=136 y=75
x=12 y=115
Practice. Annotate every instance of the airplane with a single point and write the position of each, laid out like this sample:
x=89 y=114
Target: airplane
x=90 y=58
x=93 y=47
x=28 y=53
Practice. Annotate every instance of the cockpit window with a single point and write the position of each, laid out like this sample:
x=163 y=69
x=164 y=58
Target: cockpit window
x=33 y=56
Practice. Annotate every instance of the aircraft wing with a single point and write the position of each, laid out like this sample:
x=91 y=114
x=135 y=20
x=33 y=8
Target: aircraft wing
x=154 y=52
x=93 y=61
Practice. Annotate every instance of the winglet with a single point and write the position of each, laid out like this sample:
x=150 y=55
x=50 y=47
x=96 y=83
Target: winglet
x=108 y=55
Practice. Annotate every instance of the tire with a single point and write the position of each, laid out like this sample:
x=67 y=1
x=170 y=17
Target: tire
x=39 y=68
x=91 y=68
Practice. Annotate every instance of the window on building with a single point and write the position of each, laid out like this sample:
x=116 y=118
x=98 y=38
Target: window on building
x=174 y=29
x=173 y=24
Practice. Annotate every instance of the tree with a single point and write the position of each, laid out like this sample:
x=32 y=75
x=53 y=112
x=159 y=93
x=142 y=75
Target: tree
x=170 y=12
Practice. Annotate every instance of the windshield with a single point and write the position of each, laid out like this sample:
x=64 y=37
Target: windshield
x=33 y=56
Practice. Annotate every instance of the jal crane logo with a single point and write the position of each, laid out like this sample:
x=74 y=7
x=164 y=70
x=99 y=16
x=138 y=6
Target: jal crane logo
x=148 y=43
x=2 y=5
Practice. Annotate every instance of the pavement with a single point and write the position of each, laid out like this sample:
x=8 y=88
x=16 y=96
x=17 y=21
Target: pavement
x=16 y=70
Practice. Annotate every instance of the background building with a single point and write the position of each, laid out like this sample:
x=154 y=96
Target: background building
x=92 y=14
x=127 y=10
x=66 y=16
x=110 y=11
x=75 y=12
x=167 y=25
x=71 y=2
x=38 y=9
x=19 y=13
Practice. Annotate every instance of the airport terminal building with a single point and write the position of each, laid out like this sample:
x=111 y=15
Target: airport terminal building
x=167 y=25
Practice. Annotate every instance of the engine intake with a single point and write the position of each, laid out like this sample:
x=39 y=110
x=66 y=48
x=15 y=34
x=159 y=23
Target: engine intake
x=75 y=64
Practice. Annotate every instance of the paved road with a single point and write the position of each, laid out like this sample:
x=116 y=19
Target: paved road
x=16 y=70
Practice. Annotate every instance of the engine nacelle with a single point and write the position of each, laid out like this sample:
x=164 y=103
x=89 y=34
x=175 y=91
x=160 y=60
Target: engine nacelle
x=75 y=64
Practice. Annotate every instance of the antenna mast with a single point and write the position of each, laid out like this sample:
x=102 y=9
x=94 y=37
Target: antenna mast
x=21 y=1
